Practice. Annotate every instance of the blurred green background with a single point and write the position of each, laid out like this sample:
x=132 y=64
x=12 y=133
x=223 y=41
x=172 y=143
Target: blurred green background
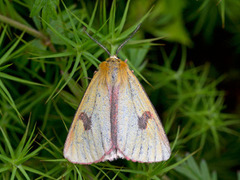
x=186 y=55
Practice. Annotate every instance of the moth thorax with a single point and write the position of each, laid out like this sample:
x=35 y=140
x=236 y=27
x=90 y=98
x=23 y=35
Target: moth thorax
x=114 y=73
x=114 y=68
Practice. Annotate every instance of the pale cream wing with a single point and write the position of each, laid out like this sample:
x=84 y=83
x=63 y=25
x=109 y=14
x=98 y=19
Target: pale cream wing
x=89 y=137
x=140 y=135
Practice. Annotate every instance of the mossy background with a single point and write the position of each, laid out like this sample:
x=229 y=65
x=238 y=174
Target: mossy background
x=188 y=51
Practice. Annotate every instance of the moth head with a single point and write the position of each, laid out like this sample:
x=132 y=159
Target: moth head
x=114 y=57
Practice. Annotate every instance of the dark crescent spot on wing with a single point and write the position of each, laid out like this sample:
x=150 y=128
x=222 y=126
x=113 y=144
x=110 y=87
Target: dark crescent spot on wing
x=86 y=121
x=143 y=120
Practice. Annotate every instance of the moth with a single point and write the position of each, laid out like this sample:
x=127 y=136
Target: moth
x=116 y=119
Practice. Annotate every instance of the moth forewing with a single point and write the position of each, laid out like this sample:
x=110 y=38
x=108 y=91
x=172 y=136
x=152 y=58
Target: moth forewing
x=140 y=134
x=89 y=135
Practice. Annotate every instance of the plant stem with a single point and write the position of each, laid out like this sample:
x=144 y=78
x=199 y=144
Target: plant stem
x=23 y=27
x=29 y=30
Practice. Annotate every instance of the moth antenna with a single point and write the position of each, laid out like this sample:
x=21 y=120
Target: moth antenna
x=131 y=35
x=84 y=29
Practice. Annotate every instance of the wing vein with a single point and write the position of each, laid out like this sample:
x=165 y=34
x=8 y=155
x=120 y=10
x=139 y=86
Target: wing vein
x=99 y=125
x=137 y=133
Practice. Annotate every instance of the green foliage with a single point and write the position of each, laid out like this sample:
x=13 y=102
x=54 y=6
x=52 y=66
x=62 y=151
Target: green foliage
x=191 y=170
x=46 y=59
x=14 y=158
x=193 y=96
